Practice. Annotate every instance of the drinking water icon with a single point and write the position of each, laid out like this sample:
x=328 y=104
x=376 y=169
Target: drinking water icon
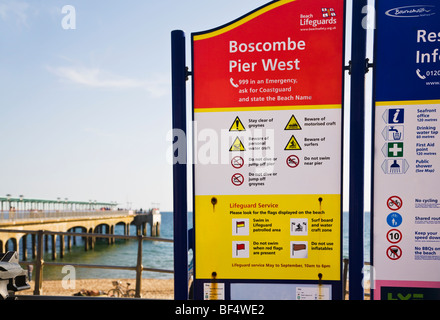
x=393 y=133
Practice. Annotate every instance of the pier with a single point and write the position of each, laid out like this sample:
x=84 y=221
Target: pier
x=85 y=217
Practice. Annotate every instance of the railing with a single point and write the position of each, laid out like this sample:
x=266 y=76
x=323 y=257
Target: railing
x=39 y=263
x=367 y=293
x=6 y=217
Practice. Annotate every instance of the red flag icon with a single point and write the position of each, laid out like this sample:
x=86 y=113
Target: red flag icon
x=240 y=246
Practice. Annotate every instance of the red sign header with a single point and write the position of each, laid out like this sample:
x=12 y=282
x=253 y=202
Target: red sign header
x=283 y=54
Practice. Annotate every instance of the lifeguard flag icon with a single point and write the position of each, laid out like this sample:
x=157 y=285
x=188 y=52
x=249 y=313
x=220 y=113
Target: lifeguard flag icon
x=239 y=224
x=240 y=246
x=240 y=249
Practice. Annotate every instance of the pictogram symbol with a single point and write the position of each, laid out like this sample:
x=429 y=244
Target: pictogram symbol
x=240 y=249
x=395 y=166
x=237 y=125
x=237 y=162
x=394 y=252
x=393 y=133
x=328 y=12
x=237 y=179
x=237 y=145
x=394 y=236
x=393 y=149
x=292 y=144
x=292 y=161
x=394 y=203
x=292 y=124
x=394 y=116
x=394 y=219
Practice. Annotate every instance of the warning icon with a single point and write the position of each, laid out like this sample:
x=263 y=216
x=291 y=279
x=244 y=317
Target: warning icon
x=292 y=124
x=237 y=145
x=292 y=144
x=237 y=125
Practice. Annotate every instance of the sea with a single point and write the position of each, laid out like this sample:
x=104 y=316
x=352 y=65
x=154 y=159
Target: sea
x=155 y=254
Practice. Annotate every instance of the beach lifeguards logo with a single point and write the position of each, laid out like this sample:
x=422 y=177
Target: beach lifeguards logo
x=328 y=12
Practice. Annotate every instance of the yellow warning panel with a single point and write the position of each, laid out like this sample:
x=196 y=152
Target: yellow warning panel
x=284 y=237
x=237 y=145
x=292 y=124
x=237 y=125
x=292 y=144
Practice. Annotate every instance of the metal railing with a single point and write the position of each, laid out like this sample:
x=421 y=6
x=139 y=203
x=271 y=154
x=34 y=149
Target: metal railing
x=39 y=262
x=10 y=216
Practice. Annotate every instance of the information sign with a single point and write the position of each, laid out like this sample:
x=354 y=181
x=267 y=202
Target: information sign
x=267 y=99
x=406 y=199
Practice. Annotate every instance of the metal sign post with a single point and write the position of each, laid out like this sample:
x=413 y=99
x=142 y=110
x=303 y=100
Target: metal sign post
x=357 y=138
x=179 y=166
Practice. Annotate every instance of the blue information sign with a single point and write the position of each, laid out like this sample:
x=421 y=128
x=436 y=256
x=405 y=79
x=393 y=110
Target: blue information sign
x=408 y=37
x=406 y=148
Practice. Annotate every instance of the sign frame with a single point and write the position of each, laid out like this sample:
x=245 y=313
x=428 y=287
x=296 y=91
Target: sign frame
x=226 y=283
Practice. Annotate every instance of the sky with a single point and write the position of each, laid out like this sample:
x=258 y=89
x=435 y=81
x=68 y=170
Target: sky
x=85 y=95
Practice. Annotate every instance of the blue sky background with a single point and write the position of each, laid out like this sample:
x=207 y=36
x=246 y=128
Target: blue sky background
x=85 y=113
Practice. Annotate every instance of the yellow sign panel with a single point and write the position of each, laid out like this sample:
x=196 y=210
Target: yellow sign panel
x=268 y=237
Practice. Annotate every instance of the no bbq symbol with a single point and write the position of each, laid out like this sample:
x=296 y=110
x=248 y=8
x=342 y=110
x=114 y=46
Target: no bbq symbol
x=394 y=252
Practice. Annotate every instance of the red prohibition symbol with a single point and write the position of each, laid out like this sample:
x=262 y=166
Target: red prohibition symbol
x=237 y=179
x=394 y=252
x=237 y=162
x=394 y=203
x=394 y=236
x=292 y=161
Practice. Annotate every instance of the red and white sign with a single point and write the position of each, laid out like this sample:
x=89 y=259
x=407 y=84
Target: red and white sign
x=394 y=236
x=394 y=203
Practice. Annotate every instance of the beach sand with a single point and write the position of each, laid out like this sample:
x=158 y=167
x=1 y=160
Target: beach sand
x=151 y=288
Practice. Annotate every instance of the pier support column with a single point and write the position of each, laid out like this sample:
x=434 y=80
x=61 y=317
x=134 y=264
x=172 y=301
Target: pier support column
x=54 y=247
x=69 y=243
x=34 y=246
x=62 y=247
x=24 y=244
x=46 y=243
